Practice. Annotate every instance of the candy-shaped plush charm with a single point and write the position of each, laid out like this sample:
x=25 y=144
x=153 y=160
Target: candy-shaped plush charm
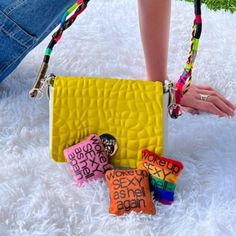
x=164 y=174
x=129 y=191
x=88 y=160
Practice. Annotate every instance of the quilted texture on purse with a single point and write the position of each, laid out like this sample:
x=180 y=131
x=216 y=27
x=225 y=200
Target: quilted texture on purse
x=130 y=110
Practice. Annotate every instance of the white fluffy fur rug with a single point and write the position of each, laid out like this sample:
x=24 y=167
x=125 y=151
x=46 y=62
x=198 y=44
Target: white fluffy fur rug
x=39 y=197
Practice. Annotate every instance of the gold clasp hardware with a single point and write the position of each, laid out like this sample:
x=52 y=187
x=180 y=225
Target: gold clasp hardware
x=170 y=88
x=38 y=83
x=42 y=85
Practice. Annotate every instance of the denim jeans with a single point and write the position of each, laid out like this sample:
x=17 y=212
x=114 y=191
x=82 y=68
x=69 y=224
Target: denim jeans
x=23 y=25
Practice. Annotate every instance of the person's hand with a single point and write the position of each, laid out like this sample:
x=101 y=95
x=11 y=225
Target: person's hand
x=203 y=98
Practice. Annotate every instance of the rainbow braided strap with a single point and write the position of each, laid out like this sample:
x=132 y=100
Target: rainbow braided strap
x=185 y=80
x=65 y=23
x=78 y=7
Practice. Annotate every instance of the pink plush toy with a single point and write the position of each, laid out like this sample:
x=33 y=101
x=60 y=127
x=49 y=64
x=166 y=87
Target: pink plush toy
x=88 y=160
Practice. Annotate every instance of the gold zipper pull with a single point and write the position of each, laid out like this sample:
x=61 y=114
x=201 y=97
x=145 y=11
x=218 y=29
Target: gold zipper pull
x=37 y=85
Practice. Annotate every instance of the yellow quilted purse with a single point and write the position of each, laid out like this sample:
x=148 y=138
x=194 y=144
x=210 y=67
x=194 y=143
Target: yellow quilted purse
x=132 y=111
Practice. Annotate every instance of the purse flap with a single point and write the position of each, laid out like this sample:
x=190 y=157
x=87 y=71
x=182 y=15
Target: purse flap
x=130 y=110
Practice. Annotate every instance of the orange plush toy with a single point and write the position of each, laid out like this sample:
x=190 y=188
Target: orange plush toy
x=129 y=191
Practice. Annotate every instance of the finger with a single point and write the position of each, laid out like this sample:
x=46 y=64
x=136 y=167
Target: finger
x=191 y=110
x=205 y=89
x=221 y=105
x=223 y=99
x=215 y=93
x=209 y=107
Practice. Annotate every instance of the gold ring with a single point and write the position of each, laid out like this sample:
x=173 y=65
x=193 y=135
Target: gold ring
x=204 y=97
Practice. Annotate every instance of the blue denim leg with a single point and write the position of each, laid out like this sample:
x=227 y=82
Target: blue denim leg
x=23 y=25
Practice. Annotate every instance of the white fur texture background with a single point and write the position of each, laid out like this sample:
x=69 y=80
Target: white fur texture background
x=39 y=197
